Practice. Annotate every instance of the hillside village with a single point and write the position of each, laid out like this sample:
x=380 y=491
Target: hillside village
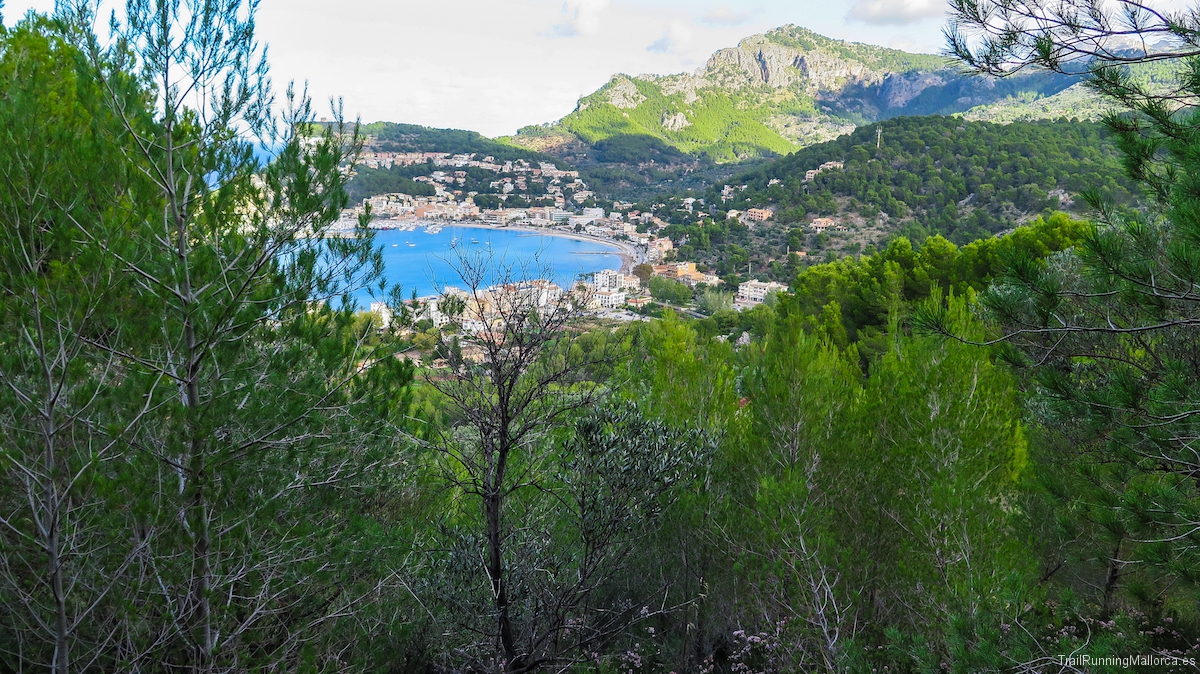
x=562 y=203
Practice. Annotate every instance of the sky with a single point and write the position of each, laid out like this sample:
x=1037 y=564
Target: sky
x=494 y=66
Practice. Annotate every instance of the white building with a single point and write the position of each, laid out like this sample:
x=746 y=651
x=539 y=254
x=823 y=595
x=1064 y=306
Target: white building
x=606 y=279
x=754 y=292
x=428 y=310
x=610 y=299
x=385 y=314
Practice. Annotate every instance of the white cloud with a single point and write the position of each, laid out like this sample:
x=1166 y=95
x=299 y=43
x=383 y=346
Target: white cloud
x=583 y=18
x=675 y=39
x=723 y=15
x=496 y=66
x=896 y=12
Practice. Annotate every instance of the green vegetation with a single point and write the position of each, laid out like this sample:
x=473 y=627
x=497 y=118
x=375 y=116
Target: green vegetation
x=670 y=291
x=929 y=176
x=935 y=458
x=183 y=402
x=721 y=125
x=391 y=137
x=964 y=180
x=866 y=292
x=368 y=182
x=639 y=149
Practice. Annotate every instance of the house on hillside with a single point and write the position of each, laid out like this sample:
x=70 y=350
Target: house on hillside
x=811 y=174
x=755 y=292
x=610 y=299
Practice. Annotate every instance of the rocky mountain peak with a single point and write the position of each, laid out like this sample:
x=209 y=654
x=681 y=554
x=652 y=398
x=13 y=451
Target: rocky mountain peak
x=783 y=89
x=792 y=56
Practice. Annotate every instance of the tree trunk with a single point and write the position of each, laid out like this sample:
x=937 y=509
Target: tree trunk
x=198 y=516
x=496 y=574
x=51 y=525
x=62 y=660
x=494 y=504
x=1110 y=580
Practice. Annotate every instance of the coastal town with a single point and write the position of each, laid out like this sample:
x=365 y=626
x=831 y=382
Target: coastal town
x=564 y=207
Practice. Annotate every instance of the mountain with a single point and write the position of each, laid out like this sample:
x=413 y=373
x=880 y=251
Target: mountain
x=392 y=137
x=771 y=95
x=378 y=176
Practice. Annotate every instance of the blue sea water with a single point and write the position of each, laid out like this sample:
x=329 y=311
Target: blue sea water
x=424 y=265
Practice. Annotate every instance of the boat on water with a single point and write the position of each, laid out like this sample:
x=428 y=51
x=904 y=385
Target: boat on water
x=474 y=240
x=395 y=244
x=411 y=244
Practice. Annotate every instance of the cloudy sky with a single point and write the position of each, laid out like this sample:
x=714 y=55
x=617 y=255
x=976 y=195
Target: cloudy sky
x=496 y=65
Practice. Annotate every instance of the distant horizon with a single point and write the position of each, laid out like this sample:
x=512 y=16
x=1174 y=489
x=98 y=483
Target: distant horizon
x=497 y=67
x=634 y=75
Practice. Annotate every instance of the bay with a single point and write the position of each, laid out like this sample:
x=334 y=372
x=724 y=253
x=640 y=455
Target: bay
x=420 y=260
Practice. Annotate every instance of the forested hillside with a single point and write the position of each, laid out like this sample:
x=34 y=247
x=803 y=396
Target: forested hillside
x=942 y=175
x=387 y=137
x=910 y=176
x=392 y=137
x=853 y=299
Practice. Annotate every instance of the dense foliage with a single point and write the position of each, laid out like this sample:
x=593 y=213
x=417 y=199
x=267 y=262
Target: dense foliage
x=933 y=458
x=635 y=149
x=929 y=176
x=392 y=137
x=854 y=299
x=368 y=182
x=942 y=175
x=182 y=403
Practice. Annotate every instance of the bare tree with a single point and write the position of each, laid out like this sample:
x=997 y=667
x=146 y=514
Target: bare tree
x=557 y=516
x=507 y=406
